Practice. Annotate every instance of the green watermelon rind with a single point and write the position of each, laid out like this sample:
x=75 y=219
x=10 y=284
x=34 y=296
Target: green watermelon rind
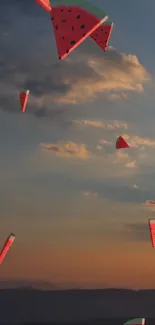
x=96 y=11
x=107 y=23
x=134 y=321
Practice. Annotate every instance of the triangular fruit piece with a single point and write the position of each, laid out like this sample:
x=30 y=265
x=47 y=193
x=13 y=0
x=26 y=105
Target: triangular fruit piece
x=6 y=246
x=121 y=143
x=152 y=231
x=45 y=4
x=23 y=99
x=102 y=35
x=73 y=22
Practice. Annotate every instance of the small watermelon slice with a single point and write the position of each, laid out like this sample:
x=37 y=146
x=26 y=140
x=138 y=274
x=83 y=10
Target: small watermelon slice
x=152 y=231
x=102 y=35
x=121 y=143
x=23 y=100
x=45 y=4
x=73 y=22
x=6 y=246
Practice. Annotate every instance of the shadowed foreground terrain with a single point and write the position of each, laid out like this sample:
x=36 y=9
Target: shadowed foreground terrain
x=106 y=307
x=119 y=321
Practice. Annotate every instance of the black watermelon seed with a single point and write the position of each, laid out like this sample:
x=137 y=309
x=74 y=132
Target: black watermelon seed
x=82 y=26
x=73 y=42
x=73 y=28
x=63 y=20
x=56 y=27
x=69 y=10
x=52 y=18
x=78 y=16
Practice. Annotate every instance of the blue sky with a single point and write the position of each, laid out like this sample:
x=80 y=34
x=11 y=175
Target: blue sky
x=65 y=192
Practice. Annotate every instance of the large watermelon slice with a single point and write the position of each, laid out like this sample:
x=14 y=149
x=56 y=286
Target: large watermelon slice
x=121 y=143
x=45 y=4
x=102 y=35
x=73 y=22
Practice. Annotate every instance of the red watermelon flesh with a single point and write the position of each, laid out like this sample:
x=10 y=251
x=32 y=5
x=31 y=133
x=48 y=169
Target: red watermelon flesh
x=23 y=100
x=45 y=4
x=152 y=231
x=102 y=35
x=121 y=143
x=72 y=25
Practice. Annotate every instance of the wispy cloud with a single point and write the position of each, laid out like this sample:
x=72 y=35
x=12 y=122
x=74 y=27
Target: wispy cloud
x=67 y=149
x=139 y=141
x=89 y=194
x=150 y=204
x=131 y=164
x=108 y=125
x=121 y=155
x=106 y=142
x=98 y=147
x=135 y=186
x=114 y=74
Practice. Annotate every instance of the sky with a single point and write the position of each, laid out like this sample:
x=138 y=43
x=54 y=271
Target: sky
x=65 y=192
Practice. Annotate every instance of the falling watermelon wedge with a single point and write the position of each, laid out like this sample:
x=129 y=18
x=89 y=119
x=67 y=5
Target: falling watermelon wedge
x=152 y=231
x=23 y=100
x=121 y=143
x=102 y=35
x=135 y=321
x=45 y=4
x=73 y=22
x=6 y=246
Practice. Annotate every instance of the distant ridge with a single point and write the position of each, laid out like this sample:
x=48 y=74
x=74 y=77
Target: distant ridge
x=27 y=284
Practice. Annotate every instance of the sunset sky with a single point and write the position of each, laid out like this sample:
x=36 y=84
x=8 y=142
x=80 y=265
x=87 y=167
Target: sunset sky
x=65 y=192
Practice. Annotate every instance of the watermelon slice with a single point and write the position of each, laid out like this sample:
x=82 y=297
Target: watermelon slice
x=6 y=246
x=121 y=143
x=152 y=231
x=73 y=22
x=23 y=100
x=136 y=321
x=45 y=4
x=102 y=35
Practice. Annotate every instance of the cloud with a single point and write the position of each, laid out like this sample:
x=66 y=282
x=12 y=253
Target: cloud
x=115 y=73
x=98 y=147
x=89 y=194
x=131 y=164
x=78 y=79
x=135 y=186
x=108 y=125
x=138 y=231
x=115 y=191
x=139 y=141
x=67 y=149
x=106 y=142
x=150 y=204
x=121 y=155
